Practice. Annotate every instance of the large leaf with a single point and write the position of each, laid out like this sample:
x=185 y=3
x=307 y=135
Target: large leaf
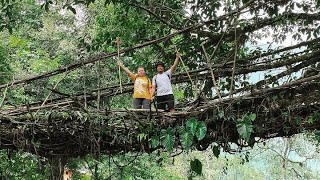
x=244 y=130
x=201 y=131
x=192 y=124
x=196 y=166
x=167 y=138
x=186 y=138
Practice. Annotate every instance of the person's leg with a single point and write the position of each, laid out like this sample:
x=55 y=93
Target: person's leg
x=146 y=103
x=170 y=100
x=137 y=103
x=160 y=103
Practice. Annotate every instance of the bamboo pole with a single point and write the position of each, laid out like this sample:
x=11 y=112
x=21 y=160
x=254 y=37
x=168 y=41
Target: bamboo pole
x=185 y=68
x=119 y=68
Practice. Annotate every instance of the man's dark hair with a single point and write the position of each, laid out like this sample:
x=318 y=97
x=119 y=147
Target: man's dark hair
x=159 y=64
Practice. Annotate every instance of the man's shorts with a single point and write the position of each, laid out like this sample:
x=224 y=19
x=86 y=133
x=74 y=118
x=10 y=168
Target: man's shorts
x=166 y=100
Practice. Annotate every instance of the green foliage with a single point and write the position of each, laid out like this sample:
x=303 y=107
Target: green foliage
x=192 y=124
x=197 y=128
x=15 y=165
x=5 y=69
x=144 y=166
x=201 y=131
x=314 y=117
x=297 y=119
x=245 y=127
x=196 y=166
x=221 y=114
x=316 y=136
x=155 y=142
x=72 y=9
x=33 y=51
x=244 y=130
x=19 y=13
x=186 y=138
x=141 y=137
x=193 y=130
x=216 y=151
x=43 y=63
x=252 y=116
x=167 y=138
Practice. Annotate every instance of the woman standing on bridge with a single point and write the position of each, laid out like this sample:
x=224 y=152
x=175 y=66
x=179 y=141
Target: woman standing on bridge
x=142 y=87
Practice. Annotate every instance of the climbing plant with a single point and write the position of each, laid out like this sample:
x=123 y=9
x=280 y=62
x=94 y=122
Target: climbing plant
x=192 y=132
x=245 y=127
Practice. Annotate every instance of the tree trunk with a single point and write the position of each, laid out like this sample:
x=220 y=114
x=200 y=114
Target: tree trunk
x=57 y=164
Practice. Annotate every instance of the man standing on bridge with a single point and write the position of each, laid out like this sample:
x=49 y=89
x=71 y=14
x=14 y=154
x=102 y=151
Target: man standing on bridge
x=162 y=83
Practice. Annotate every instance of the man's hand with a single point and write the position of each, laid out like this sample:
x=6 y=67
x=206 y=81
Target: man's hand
x=178 y=55
x=174 y=66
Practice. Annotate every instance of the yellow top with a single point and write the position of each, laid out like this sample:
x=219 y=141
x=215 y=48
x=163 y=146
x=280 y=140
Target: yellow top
x=141 y=86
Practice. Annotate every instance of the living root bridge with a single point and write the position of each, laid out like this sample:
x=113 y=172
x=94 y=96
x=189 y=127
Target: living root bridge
x=75 y=133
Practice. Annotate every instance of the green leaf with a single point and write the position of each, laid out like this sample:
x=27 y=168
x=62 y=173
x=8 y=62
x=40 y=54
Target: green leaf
x=216 y=151
x=253 y=116
x=196 y=166
x=46 y=6
x=311 y=119
x=155 y=142
x=316 y=115
x=244 y=130
x=167 y=138
x=192 y=124
x=185 y=138
x=274 y=98
x=141 y=136
x=297 y=119
x=318 y=3
x=72 y=9
x=201 y=131
x=10 y=29
x=221 y=114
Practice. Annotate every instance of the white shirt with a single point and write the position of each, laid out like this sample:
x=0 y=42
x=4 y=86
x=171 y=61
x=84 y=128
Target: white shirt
x=163 y=83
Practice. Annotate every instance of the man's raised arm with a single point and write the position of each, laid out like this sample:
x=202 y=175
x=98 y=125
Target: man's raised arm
x=175 y=64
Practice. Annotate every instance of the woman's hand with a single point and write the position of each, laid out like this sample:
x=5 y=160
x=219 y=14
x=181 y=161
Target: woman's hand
x=120 y=63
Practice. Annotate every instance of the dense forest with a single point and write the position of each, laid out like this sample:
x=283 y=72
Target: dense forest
x=246 y=89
